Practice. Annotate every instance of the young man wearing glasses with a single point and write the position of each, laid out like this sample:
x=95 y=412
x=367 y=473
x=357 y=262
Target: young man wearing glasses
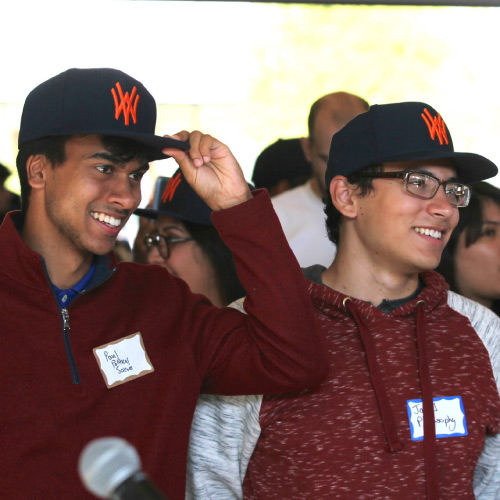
x=411 y=395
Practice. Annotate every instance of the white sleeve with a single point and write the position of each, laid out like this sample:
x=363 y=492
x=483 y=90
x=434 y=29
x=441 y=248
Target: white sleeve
x=224 y=433
x=487 y=326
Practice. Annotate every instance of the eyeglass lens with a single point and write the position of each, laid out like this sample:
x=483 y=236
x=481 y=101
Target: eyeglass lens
x=159 y=241
x=425 y=186
x=163 y=243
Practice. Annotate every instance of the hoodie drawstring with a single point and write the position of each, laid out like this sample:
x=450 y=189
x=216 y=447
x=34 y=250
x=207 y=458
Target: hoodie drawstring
x=430 y=445
x=388 y=421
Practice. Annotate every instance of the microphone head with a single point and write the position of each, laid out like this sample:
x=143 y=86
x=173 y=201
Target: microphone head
x=105 y=463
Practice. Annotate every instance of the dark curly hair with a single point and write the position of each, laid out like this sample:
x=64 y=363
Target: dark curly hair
x=333 y=216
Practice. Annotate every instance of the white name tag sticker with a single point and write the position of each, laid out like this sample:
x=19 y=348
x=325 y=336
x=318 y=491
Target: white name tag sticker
x=123 y=360
x=449 y=416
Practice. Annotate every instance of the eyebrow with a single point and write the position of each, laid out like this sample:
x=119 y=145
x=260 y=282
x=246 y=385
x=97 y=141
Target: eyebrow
x=492 y=222
x=106 y=156
x=179 y=227
x=422 y=170
x=117 y=161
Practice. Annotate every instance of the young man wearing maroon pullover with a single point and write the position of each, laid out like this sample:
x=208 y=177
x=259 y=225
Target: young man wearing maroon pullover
x=94 y=348
x=410 y=408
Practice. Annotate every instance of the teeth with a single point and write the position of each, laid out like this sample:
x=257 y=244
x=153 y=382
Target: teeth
x=107 y=219
x=429 y=232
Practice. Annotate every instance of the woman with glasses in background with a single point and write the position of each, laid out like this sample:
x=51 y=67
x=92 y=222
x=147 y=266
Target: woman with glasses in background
x=186 y=243
x=470 y=262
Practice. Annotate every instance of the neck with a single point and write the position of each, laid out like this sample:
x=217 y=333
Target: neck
x=65 y=265
x=366 y=281
x=216 y=296
x=317 y=189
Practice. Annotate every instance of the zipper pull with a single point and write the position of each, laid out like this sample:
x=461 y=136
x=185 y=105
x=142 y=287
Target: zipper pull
x=67 y=346
x=65 y=317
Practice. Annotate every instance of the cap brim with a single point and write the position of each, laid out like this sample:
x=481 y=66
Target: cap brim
x=155 y=142
x=470 y=167
x=473 y=168
x=149 y=213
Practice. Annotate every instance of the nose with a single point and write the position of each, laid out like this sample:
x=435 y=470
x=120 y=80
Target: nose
x=439 y=205
x=154 y=256
x=497 y=240
x=125 y=193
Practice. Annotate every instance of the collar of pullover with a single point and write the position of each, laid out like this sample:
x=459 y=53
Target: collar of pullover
x=21 y=263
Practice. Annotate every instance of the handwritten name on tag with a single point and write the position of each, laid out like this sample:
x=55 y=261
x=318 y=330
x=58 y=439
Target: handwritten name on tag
x=449 y=416
x=123 y=360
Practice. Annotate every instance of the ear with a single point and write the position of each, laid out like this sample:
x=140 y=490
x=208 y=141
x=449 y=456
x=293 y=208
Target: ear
x=36 y=170
x=306 y=147
x=343 y=197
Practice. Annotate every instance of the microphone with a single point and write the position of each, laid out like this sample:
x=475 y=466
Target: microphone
x=110 y=468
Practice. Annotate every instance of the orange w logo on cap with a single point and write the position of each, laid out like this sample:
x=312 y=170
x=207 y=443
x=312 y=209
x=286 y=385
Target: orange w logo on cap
x=170 y=188
x=436 y=126
x=127 y=104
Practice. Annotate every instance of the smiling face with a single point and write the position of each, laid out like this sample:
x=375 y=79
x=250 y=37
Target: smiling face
x=477 y=266
x=397 y=232
x=82 y=203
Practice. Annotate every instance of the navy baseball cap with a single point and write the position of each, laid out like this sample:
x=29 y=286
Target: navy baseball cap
x=102 y=101
x=174 y=196
x=396 y=132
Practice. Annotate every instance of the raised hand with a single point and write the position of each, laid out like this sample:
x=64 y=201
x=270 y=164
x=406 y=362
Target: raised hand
x=211 y=170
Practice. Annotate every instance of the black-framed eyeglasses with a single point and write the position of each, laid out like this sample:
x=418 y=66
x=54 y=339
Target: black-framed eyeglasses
x=163 y=243
x=425 y=185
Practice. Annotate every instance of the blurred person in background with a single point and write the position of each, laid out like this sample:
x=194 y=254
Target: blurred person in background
x=185 y=242
x=300 y=210
x=471 y=261
x=281 y=166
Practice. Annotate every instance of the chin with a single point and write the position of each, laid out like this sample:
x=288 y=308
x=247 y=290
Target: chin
x=422 y=267
x=103 y=249
x=430 y=263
